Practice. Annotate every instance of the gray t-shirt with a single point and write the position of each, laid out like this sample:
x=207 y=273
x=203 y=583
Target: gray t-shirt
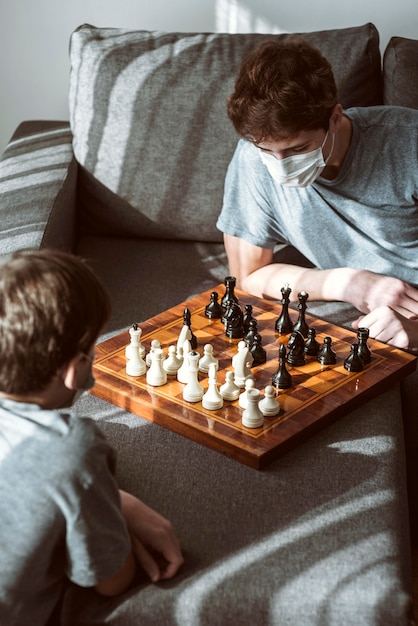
x=60 y=510
x=366 y=218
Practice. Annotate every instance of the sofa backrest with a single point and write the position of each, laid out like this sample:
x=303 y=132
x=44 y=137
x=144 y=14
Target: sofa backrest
x=150 y=130
x=400 y=70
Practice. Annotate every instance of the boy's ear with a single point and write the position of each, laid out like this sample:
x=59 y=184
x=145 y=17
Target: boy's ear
x=69 y=372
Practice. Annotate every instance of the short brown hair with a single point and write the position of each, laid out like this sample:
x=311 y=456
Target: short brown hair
x=283 y=87
x=52 y=306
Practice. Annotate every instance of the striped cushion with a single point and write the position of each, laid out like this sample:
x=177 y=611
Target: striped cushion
x=34 y=173
x=147 y=110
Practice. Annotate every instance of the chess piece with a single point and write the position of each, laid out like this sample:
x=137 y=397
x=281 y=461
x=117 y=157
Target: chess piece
x=141 y=348
x=207 y=359
x=230 y=282
x=301 y=324
x=363 y=349
x=214 y=310
x=269 y=405
x=156 y=375
x=212 y=399
x=248 y=316
x=311 y=344
x=284 y=324
x=353 y=362
x=183 y=371
x=251 y=332
x=252 y=417
x=193 y=391
x=229 y=390
x=282 y=379
x=296 y=346
x=187 y=321
x=172 y=363
x=326 y=355
x=233 y=319
x=257 y=351
x=155 y=345
x=242 y=362
x=135 y=365
x=242 y=400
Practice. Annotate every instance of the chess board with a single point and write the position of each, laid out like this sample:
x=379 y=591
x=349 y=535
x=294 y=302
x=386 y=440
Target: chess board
x=319 y=394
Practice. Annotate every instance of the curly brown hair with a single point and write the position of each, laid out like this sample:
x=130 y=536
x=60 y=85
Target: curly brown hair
x=52 y=306
x=284 y=86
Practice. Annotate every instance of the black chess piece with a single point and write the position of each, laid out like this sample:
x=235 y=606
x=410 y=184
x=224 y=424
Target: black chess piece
x=187 y=321
x=353 y=362
x=296 y=346
x=326 y=355
x=311 y=344
x=233 y=318
x=284 y=324
x=248 y=316
x=214 y=310
x=257 y=351
x=301 y=324
x=363 y=349
x=282 y=379
x=230 y=282
x=250 y=334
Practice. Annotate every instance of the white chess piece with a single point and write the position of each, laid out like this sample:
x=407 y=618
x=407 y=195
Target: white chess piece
x=135 y=365
x=135 y=331
x=193 y=391
x=185 y=333
x=252 y=417
x=207 y=359
x=172 y=363
x=156 y=375
x=269 y=405
x=229 y=390
x=212 y=399
x=243 y=402
x=155 y=345
x=183 y=371
x=241 y=362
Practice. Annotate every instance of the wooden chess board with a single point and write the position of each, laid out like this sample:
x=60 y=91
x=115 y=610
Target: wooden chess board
x=319 y=394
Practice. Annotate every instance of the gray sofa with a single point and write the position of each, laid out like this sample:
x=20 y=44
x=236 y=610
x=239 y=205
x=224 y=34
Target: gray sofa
x=134 y=183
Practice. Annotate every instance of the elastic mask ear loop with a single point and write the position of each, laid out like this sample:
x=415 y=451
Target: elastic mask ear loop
x=332 y=146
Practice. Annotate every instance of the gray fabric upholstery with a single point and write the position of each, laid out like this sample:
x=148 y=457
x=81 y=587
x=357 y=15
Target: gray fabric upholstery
x=400 y=68
x=148 y=116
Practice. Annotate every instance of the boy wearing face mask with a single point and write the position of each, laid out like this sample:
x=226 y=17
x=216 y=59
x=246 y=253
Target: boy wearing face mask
x=62 y=515
x=341 y=186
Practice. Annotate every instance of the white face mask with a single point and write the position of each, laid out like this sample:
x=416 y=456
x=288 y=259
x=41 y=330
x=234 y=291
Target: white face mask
x=299 y=170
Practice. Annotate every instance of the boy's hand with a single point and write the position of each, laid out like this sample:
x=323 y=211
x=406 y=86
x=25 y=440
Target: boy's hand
x=391 y=327
x=154 y=541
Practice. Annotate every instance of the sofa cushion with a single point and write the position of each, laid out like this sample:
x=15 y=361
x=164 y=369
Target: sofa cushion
x=147 y=111
x=400 y=71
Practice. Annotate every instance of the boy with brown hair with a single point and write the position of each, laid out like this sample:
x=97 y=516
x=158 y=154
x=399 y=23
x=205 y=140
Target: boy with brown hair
x=62 y=514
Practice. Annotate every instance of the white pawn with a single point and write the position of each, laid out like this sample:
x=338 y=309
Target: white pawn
x=207 y=359
x=171 y=364
x=155 y=345
x=135 y=331
x=212 y=399
x=193 y=391
x=252 y=417
x=243 y=401
x=135 y=365
x=156 y=375
x=183 y=371
x=241 y=362
x=269 y=405
x=229 y=390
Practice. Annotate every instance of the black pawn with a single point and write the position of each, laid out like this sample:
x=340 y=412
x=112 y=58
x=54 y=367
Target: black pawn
x=213 y=310
x=296 y=345
x=353 y=363
x=311 y=344
x=363 y=349
x=326 y=355
x=301 y=324
x=230 y=282
x=282 y=379
x=187 y=322
x=248 y=316
x=251 y=333
x=284 y=324
x=257 y=351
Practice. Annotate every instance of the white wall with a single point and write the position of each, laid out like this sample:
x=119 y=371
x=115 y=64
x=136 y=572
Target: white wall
x=34 y=36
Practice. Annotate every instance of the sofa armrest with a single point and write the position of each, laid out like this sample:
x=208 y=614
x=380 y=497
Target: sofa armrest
x=38 y=182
